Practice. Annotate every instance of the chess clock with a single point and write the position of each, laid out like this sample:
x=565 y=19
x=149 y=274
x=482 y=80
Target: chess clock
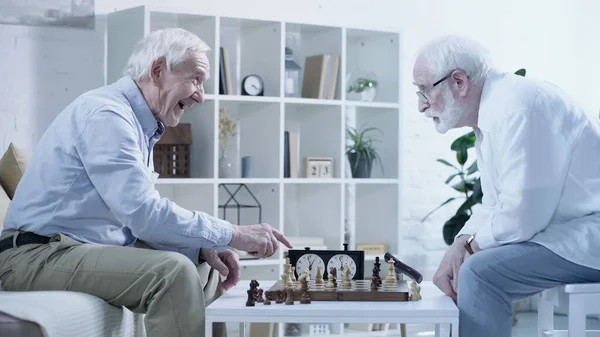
x=326 y=259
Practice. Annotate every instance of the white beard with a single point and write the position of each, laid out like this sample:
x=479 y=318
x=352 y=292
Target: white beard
x=450 y=117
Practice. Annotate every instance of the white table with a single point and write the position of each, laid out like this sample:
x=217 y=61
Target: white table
x=433 y=308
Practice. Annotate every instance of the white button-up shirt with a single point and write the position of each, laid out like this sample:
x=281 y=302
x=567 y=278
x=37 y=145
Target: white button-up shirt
x=538 y=153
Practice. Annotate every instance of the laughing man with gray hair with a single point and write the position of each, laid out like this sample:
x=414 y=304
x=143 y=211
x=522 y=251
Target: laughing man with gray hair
x=537 y=151
x=86 y=216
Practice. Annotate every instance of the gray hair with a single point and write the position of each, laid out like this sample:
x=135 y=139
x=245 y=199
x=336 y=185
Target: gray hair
x=450 y=52
x=170 y=43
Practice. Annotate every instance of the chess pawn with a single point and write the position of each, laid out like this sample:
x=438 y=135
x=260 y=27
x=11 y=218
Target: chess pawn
x=279 y=297
x=415 y=293
x=289 y=298
x=319 y=278
x=305 y=298
x=267 y=300
x=259 y=297
x=374 y=283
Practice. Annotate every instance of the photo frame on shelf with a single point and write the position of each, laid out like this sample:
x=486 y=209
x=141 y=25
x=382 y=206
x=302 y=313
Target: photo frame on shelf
x=319 y=167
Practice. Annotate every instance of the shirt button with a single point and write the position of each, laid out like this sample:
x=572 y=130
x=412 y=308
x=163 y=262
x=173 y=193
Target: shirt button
x=193 y=232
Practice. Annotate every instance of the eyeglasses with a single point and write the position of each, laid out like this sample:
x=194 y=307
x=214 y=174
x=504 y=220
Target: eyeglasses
x=422 y=93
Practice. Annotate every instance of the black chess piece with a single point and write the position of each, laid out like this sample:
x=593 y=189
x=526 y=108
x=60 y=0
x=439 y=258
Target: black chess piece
x=259 y=297
x=374 y=283
x=279 y=297
x=378 y=266
x=251 y=300
x=267 y=300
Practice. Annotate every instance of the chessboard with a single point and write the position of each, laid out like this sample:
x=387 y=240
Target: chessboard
x=358 y=290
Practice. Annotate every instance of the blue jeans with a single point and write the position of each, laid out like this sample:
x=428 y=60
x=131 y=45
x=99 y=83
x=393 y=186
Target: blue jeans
x=491 y=280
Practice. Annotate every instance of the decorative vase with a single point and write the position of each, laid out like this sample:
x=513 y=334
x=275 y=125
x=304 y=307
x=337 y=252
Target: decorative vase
x=230 y=160
x=368 y=95
x=360 y=167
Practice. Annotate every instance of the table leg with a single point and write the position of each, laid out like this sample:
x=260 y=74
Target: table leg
x=208 y=327
x=454 y=331
x=437 y=330
x=402 y=330
x=242 y=329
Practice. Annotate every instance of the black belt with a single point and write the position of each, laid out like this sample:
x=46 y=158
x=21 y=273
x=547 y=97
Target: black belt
x=23 y=238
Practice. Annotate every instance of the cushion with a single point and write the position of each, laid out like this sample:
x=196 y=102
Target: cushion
x=12 y=166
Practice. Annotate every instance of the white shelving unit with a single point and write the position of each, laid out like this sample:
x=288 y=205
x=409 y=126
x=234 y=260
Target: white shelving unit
x=297 y=206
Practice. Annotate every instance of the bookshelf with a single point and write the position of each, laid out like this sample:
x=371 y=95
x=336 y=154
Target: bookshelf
x=337 y=208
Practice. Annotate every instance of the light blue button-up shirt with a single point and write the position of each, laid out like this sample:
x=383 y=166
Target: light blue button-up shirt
x=91 y=177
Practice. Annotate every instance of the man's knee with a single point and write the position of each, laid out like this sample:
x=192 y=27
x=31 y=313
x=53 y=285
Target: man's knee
x=472 y=270
x=179 y=269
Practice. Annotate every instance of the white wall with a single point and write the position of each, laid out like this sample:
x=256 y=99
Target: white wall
x=43 y=69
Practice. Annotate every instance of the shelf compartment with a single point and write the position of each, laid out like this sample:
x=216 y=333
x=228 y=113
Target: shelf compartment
x=302 y=219
x=307 y=40
x=386 y=142
x=315 y=132
x=378 y=202
x=202 y=26
x=258 y=125
x=375 y=55
x=197 y=197
x=252 y=47
x=250 y=203
x=201 y=117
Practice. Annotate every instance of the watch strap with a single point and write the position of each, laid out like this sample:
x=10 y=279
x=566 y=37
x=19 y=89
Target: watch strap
x=468 y=244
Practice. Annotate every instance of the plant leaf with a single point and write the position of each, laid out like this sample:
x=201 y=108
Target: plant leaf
x=473 y=168
x=453 y=227
x=461 y=156
x=445 y=162
x=470 y=202
x=465 y=141
x=435 y=209
x=451 y=177
x=477 y=191
x=521 y=72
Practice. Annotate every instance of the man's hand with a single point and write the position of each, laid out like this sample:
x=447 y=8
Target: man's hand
x=227 y=263
x=259 y=240
x=448 y=269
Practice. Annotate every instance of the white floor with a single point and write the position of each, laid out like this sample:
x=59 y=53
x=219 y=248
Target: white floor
x=525 y=327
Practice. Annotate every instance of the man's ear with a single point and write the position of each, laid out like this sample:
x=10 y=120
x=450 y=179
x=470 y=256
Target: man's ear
x=460 y=83
x=157 y=69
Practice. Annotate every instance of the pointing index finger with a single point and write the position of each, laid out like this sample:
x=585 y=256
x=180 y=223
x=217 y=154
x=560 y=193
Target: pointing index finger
x=282 y=238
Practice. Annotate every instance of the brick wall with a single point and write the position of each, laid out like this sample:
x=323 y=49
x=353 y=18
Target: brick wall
x=42 y=70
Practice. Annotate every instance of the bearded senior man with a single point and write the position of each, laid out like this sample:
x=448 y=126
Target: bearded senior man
x=537 y=151
x=86 y=216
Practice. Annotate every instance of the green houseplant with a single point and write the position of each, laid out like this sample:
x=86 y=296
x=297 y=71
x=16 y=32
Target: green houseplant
x=465 y=180
x=360 y=151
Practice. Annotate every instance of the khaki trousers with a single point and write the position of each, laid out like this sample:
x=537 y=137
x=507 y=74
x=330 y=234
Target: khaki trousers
x=166 y=286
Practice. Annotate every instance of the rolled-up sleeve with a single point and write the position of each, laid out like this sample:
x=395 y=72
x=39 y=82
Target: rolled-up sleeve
x=109 y=149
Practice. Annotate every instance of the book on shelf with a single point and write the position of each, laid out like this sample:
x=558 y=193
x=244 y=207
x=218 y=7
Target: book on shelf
x=225 y=87
x=291 y=154
x=320 y=76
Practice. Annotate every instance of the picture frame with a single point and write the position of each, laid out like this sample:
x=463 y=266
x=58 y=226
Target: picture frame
x=319 y=167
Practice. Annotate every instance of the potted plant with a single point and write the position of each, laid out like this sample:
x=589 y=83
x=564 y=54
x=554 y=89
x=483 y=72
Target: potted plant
x=365 y=87
x=360 y=152
x=468 y=185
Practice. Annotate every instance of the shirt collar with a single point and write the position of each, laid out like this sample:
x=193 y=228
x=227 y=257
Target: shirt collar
x=150 y=124
x=486 y=114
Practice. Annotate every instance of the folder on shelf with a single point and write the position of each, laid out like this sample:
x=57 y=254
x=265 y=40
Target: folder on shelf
x=225 y=73
x=320 y=76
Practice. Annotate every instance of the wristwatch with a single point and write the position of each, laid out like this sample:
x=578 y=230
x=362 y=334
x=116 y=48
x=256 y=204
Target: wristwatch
x=468 y=244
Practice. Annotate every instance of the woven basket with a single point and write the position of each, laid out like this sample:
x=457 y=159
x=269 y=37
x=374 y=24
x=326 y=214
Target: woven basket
x=172 y=152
